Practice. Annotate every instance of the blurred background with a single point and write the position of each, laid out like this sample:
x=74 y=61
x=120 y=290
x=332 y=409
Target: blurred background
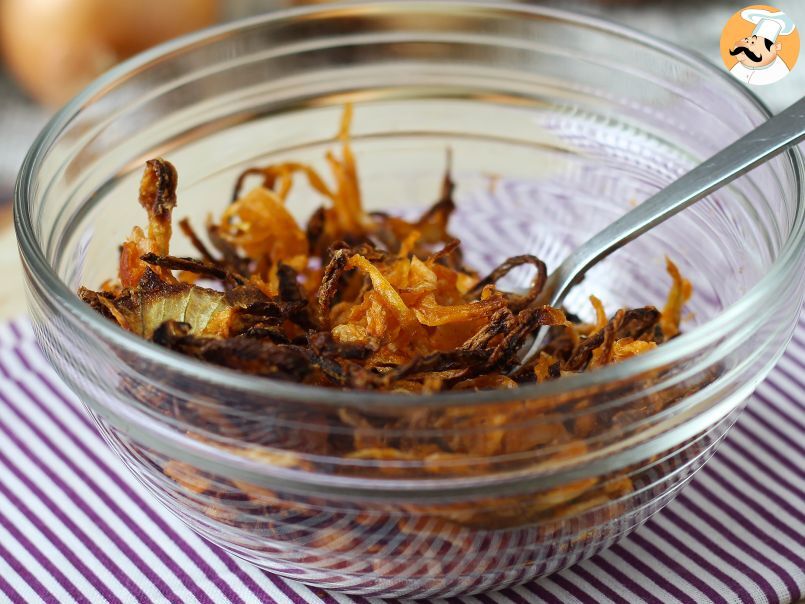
x=50 y=49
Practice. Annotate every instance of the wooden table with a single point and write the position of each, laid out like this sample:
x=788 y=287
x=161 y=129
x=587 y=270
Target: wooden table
x=12 y=298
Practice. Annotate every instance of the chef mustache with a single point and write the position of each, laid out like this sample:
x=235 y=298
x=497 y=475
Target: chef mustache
x=743 y=49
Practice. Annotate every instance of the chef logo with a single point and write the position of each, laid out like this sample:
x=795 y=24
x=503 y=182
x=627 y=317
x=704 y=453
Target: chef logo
x=760 y=45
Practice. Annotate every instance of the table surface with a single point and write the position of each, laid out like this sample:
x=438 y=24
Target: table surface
x=692 y=24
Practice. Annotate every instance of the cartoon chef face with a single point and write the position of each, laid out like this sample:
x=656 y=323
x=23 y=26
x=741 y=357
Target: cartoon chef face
x=755 y=51
x=757 y=55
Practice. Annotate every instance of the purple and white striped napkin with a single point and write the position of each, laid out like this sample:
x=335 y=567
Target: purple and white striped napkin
x=76 y=527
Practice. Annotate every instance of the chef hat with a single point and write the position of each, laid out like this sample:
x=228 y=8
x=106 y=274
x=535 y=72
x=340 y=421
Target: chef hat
x=769 y=24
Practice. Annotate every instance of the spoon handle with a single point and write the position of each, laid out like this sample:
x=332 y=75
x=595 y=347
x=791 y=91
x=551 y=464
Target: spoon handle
x=764 y=142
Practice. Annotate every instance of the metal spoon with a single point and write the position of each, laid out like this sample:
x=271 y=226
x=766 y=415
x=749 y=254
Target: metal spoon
x=777 y=134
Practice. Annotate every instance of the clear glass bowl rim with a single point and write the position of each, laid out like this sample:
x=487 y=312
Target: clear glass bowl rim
x=682 y=346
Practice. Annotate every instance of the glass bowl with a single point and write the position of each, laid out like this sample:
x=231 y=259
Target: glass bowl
x=558 y=123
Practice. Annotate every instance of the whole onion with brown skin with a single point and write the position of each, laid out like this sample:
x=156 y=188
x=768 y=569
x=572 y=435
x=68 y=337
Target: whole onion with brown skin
x=55 y=47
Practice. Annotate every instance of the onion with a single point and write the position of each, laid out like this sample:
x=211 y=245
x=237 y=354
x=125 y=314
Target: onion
x=55 y=47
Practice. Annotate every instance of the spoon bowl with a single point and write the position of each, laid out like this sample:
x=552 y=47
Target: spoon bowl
x=769 y=139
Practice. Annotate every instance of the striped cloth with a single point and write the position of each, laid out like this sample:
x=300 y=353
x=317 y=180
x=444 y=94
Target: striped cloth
x=75 y=526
